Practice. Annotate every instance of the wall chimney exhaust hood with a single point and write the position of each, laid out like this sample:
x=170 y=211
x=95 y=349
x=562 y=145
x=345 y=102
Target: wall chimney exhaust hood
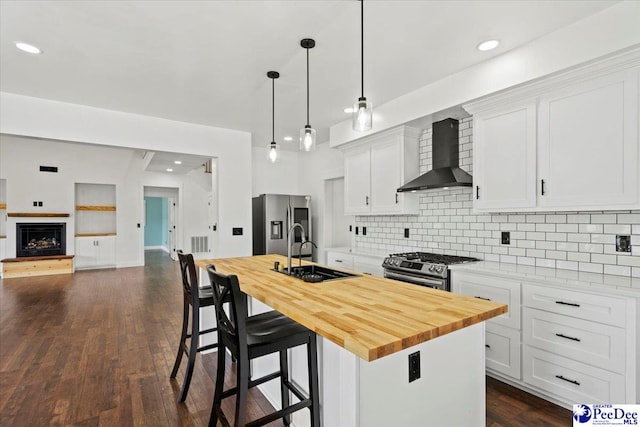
x=446 y=171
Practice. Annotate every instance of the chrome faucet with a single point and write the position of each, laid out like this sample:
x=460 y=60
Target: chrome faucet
x=290 y=243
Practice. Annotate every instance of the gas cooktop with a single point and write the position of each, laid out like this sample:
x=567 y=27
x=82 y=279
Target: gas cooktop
x=433 y=258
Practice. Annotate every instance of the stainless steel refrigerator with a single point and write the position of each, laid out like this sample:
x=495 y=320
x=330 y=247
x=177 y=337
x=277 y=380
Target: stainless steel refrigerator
x=273 y=214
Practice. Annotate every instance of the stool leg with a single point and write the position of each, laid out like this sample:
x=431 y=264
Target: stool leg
x=242 y=376
x=183 y=337
x=217 y=395
x=312 y=360
x=193 y=351
x=284 y=378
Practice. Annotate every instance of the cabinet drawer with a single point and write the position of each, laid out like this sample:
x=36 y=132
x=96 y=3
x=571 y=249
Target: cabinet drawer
x=588 y=342
x=597 y=308
x=340 y=260
x=502 y=350
x=570 y=380
x=494 y=289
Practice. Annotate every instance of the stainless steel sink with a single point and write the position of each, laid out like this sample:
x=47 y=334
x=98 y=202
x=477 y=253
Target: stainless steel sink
x=317 y=273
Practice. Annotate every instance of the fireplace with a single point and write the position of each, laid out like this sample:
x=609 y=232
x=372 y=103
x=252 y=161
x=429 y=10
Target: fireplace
x=39 y=239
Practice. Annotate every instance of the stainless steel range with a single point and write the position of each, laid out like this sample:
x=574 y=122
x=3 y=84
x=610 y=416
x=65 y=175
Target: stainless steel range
x=422 y=268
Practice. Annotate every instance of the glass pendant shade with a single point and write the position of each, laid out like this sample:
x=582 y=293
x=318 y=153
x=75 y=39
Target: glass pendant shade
x=274 y=156
x=362 y=116
x=307 y=138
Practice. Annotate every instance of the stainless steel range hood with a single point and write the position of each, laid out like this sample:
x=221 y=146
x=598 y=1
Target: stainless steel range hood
x=446 y=171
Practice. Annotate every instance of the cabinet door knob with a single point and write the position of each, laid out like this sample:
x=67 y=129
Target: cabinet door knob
x=477 y=192
x=396 y=198
x=367 y=200
x=542 y=187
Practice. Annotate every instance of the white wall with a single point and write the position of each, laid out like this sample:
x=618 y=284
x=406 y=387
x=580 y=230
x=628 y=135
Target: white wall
x=40 y=118
x=20 y=159
x=611 y=30
x=276 y=178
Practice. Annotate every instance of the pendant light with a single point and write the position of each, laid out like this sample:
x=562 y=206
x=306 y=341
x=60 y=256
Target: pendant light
x=273 y=147
x=307 y=134
x=362 y=114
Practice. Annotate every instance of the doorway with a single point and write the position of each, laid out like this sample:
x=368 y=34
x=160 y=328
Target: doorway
x=160 y=219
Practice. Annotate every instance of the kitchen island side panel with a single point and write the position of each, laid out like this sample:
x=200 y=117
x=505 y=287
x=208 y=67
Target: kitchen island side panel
x=450 y=391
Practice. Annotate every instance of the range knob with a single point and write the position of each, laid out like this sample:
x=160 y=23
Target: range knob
x=432 y=267
x=439 y=269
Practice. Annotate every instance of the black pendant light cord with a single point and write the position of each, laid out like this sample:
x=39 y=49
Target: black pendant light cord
x=307 y=87
x=273 y=110
x=362 y=46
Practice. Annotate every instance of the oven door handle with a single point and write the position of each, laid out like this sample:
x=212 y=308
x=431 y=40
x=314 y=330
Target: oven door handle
x=410 y=278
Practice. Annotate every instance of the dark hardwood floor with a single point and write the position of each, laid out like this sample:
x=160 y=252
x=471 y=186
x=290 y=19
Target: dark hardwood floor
x=96 y=348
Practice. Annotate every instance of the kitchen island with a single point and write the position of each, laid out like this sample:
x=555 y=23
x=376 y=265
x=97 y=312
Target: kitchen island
x=368 y=327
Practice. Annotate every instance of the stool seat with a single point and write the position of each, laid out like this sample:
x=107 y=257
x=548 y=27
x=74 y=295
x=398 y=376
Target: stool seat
x=265 y=329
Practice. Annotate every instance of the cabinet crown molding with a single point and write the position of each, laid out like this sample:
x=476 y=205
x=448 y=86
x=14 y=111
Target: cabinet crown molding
x=622 y=60
x=399 y=131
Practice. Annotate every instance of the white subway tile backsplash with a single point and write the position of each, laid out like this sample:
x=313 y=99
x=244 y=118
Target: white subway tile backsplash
x=603 y=218
x=603 y=259
x=629 y=218
x=617 y=270
x=631 y=261
x=590 y=228
x=567 y=265
x=590 y=247
x=567 y=228
x=567 y=246
x=617 y=229
x=589 y=267
x=579 y=241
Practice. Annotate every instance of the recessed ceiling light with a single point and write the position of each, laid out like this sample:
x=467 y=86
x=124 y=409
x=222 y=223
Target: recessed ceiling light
x=177 y=162
x=488 y=45
x=29 y=48
x=348 y=110
x=169 y=170
x=288 y=138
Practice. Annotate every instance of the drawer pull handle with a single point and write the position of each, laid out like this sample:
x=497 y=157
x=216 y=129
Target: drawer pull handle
x=487 y=346
x=572 y=304
x=368 y=274
x=560 y=377
x=338 y=260
x=486 y=299
x=567 y=337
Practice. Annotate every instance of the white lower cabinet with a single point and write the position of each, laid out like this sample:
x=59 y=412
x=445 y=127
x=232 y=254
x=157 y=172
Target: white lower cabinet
x=502 y=336
x=571 y=381
x=566 y=345
x=502 y=350
x=358 y=263
x=95 y=252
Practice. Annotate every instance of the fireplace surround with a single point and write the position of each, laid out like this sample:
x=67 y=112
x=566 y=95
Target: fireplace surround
x=40 y=239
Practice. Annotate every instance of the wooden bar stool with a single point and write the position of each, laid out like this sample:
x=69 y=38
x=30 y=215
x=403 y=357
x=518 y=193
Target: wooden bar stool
x=194 y=298
x=247 y=338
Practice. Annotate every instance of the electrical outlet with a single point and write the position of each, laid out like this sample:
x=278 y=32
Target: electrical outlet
x=237 y=231
x=35 y=203
x=506 y=238
x=414 y=366
x=623 y=243
x=364 y=231
x=406 y=233
x=40 y=204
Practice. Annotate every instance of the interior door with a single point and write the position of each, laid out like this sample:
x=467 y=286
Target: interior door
x=172 y=228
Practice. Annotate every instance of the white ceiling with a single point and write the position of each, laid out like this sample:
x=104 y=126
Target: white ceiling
x=160 y=161
x=206 y=61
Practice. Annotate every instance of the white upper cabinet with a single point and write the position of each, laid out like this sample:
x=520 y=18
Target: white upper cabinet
x=505 y=158
x=588 y=144
x=375 y=167
x=357 y=173
x=566 y=143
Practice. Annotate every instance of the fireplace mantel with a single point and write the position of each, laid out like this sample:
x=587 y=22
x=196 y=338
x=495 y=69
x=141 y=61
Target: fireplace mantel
x=37 y=215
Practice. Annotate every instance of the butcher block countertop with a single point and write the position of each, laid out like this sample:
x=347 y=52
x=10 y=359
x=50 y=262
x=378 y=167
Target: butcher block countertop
x=369 y=316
